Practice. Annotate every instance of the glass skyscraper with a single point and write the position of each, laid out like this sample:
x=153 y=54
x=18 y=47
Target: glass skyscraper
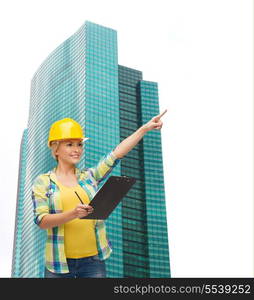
x=81 y=79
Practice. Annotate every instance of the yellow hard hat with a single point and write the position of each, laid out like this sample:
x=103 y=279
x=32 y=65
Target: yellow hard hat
x=65 y=129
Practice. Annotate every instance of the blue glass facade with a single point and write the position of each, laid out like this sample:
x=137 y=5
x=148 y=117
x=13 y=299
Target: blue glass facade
x=102 y=118
x=17 y=253
x=81 y=79
x=154 y=185
x=145 y=237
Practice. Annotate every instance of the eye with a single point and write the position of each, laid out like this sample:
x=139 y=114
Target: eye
x=80 y=144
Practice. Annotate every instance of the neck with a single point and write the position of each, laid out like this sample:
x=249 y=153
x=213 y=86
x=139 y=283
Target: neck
x=65 y=169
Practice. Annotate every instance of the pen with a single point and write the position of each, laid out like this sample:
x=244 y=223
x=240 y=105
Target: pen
x=81 y=200
x=79 y=197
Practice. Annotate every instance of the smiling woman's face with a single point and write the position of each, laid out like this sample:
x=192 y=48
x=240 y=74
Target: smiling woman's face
x=70 y=151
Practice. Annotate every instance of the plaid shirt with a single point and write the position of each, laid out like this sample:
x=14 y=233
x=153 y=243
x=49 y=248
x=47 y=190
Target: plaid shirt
x=46 y=200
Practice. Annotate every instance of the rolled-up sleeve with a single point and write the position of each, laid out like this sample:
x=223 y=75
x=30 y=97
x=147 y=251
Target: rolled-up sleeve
x=40 y=200
x=105 y=166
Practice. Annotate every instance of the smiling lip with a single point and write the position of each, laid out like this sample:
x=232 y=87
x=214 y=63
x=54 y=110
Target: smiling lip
x=75 y=156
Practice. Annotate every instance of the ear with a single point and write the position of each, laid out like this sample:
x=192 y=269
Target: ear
x=56 y=151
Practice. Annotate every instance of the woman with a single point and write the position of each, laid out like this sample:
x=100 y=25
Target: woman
x=75 y=247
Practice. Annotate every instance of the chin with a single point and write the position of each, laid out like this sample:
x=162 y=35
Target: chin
x=75 y=159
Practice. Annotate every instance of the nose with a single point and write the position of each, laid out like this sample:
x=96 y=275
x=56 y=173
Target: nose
x=77 y=149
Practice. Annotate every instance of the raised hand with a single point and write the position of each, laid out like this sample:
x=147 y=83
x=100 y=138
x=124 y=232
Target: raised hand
x=131 y=141
x=155 y=122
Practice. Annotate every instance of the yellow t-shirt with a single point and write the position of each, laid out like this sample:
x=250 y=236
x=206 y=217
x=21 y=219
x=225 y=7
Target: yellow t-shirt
x=79 y=234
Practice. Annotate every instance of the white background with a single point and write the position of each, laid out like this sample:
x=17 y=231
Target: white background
x=200 y=53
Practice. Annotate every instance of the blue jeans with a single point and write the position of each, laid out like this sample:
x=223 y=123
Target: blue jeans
x=87 y=267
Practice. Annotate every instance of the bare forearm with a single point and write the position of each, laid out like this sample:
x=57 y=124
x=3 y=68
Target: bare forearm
x=53 y=220
x=130 y=142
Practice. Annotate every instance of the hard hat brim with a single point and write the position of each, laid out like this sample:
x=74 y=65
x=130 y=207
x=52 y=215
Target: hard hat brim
x=84 y=139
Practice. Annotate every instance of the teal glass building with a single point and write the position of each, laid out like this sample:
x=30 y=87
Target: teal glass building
x=81 y=79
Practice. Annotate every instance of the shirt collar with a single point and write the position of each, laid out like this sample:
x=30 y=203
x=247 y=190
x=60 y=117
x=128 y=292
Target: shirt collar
x=52 y=174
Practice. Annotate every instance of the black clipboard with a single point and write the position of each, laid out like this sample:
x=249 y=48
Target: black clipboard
x=109 y=195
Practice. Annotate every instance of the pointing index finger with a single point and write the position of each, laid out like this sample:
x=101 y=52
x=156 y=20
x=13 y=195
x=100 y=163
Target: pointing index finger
x=162 y=113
